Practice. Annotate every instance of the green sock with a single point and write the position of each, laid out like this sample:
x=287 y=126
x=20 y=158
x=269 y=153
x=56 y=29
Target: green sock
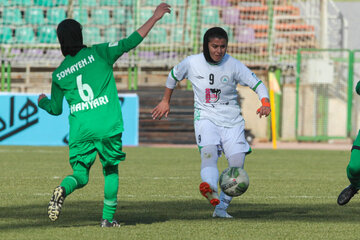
x=110 y=192
x=70 y=184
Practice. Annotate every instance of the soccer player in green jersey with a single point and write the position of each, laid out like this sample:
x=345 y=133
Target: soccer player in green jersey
x=353 y=169
x=85 y=78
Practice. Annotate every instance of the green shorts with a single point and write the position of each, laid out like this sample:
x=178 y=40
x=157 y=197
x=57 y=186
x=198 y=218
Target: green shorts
x=109 y=150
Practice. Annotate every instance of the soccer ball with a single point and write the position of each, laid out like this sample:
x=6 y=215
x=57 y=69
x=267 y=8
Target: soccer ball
x=234 y=181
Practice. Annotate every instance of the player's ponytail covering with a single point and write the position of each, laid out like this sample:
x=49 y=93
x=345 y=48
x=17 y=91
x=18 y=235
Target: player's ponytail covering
x=215 y=32
x=69 y=33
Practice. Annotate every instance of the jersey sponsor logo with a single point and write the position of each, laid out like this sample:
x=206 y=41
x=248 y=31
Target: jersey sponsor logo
x=225 y=79
x=113 y=44
x=212 y=95
x=92 y=104
x=80 y=64
x=199 y=77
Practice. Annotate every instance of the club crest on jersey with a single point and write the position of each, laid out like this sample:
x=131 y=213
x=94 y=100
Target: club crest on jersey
x=212 y=95
x=225 y=79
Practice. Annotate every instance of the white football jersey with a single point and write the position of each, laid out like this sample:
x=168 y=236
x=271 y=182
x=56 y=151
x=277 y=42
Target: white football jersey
x=214 y=86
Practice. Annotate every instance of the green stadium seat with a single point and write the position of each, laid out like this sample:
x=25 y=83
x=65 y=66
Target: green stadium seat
x=145 y=14
x=47 y=34
x=152 y=2
x=177 y=35
x=21 y=3
x=55 y=15
x=119 y=15
x=4 y=3
x=181 y=16
x=62 y=2
x=81 y=15
x=126 y=2
x=34 y=16
x=91 y=35
x=168 y=18
x=210 y=16
x=24 y=35
x=6 y=35
x=44 y=3
x=109 y=3
x=88 y=3
x=100 y=16
x=12 y=16
x=157 y=35
x=113 y=35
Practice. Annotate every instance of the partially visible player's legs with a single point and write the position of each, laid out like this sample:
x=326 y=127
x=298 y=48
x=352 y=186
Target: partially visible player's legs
x=110 y=152
x=236 y=160
x=110 y=192
x=209 y=173
x=353 y=174
x=79 y=179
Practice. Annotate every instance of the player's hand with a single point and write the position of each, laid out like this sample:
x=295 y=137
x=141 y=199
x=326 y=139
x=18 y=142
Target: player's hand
x=265 y=109
x=162 y=109
x=41 y=96
x=160 y=10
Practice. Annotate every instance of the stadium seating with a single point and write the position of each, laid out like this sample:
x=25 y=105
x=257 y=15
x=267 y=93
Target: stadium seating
x=210 y=15
x=34 y=16
x=4 y=3
x=91 y=35
x=6 y=35
x=109 y=3
x=100 y=16
x=44 y=3
x=231 y=16
x=62 y=2
x=24 y=35
x=81 y=15
x=47 y=34
x=112 y=34
x=179 y=35
x=119 y=15
x=55 y=15
x=20 y=3
x=12 y=16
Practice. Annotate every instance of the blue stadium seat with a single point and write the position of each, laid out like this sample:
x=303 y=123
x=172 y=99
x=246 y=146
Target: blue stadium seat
x=100 y=16
x=47 y=34
x=6 y=35
x=91 y=35
x=210 y=16
x=12 y=16
x=34 y=16
x=24 y=35
x=113 y=35
x=55 y=15
x=81 y=15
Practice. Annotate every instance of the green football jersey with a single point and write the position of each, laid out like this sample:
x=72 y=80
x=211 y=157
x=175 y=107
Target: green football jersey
x=87 y=82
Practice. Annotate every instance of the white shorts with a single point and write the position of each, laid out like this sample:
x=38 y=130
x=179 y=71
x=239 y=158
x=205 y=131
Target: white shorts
x=229 y=140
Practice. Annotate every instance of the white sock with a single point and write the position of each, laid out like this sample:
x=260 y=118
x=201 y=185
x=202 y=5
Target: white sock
x=224 y=201
x=211 y=176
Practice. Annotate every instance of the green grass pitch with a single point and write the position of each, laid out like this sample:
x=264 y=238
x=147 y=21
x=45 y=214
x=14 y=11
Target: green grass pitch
x=292 y=195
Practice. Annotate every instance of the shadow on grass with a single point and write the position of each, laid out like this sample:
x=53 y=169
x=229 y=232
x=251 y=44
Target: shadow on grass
x=88 y=213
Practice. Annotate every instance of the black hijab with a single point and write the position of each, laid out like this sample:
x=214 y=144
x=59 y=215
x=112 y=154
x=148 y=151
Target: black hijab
x=215 y=32
x=69 y=33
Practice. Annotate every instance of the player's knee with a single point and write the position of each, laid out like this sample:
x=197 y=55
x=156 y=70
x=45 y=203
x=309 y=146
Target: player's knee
x=237 y=160
x=110 y=170
x=82 y=178
x=209 y=156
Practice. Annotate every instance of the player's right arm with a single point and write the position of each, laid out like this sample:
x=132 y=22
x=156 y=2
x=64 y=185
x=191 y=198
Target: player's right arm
x=163 y=108
x=53 y=105
x=160 y=10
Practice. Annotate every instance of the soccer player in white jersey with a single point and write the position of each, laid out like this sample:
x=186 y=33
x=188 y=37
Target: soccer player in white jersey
x=219 y=126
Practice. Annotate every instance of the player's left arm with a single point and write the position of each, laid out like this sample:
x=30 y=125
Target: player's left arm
x=248 y=78
x=53 y=105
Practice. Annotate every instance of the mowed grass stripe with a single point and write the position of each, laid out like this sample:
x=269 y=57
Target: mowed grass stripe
x=292 y=195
